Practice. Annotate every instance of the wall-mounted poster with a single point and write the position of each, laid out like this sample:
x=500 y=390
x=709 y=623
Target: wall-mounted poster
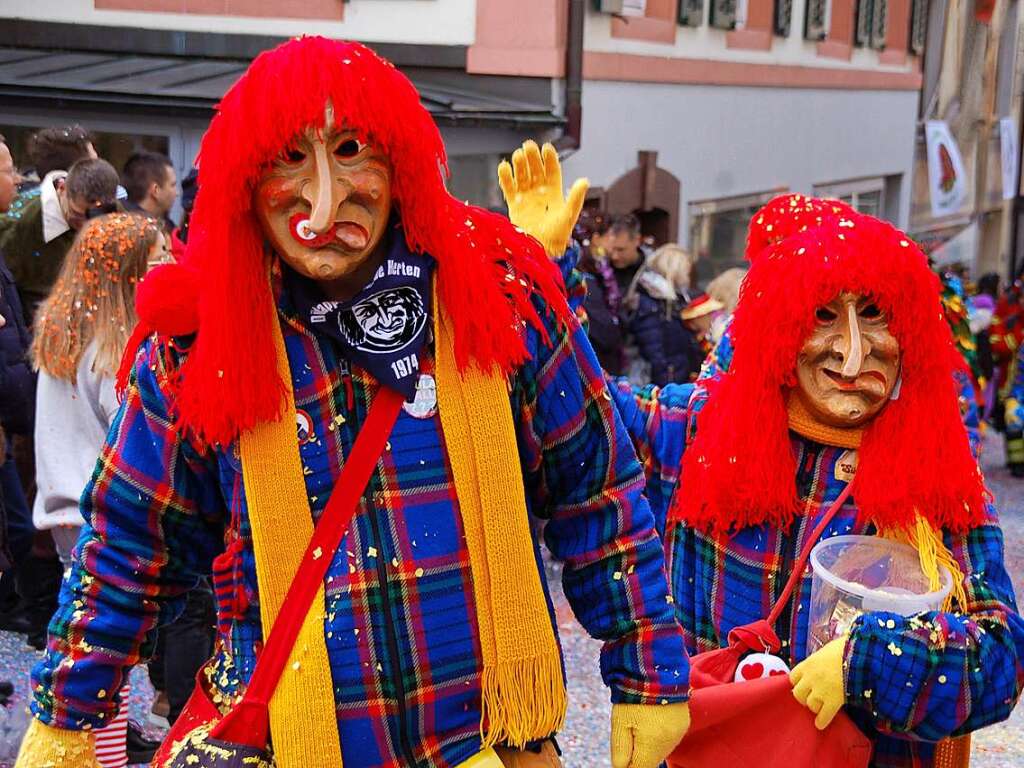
x=947 y=180
x=1009 y=155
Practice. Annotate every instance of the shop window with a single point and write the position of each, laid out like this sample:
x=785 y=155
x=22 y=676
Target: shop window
x=473 y=180
x=816 y=20
x=718 y=231
x=783 y=18
x=865 y=195
x=691 y=13
x=918 y=25
x=115 y=148
x=723 y=14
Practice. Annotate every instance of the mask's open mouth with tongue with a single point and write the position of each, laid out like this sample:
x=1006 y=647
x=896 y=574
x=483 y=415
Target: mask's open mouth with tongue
x=353 y=236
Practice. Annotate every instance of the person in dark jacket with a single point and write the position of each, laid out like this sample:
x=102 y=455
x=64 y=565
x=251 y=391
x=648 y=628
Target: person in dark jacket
x=17 y=399
x=603 y=299
x=152 y=187
x=655 y=351
x=668 y=275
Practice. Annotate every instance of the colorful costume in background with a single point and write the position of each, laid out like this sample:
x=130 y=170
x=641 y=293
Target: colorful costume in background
x=1005 y=337
x=738 y=480
x=434 y=635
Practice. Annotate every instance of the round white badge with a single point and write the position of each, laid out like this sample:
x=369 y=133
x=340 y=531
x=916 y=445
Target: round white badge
x=758 y=665
x=424 y=404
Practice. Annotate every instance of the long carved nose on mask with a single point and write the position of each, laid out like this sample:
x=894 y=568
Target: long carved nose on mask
x=324 y=198
x=853 y=350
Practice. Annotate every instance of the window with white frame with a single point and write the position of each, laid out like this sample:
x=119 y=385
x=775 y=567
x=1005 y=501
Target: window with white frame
x=865 y=195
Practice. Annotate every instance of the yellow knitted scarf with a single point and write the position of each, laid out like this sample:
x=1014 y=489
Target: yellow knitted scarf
x=523 y=691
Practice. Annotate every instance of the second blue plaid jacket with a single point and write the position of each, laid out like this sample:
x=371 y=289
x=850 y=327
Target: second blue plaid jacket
x=909 y=682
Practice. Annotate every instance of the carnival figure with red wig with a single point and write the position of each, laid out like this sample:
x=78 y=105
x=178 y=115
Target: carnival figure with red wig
x=339 y=313
x=834 y=394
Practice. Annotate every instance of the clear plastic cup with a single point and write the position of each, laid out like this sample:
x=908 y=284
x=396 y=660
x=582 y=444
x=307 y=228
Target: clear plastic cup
x=862 y=574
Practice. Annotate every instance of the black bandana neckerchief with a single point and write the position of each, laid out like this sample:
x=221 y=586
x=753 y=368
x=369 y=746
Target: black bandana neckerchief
x=384 y=327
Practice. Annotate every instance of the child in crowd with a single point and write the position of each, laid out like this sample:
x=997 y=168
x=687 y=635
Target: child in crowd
x=81 y=330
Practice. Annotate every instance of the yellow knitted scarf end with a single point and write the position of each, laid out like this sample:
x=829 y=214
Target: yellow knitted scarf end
x=523 y=700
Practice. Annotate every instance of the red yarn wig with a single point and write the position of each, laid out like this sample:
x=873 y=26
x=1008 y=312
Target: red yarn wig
x=914 y=455
x=229 y=381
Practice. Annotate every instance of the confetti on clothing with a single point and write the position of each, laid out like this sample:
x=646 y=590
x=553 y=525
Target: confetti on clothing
x=399 y=615
x=909 y=681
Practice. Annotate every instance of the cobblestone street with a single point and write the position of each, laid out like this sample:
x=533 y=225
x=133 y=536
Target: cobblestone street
x=585 y=740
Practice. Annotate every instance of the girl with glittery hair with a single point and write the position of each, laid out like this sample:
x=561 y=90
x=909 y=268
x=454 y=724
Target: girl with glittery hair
x=93 y=300
x=81 y=330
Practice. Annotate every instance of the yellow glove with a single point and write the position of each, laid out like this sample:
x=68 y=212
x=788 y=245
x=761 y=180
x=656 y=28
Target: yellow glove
x=47 y=747
x=534 y=196
x=1014 y=414
x=643 y=735
x=818 y=682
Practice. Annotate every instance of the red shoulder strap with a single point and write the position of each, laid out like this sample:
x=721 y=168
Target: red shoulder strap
x=327 y=536
x=798 y=567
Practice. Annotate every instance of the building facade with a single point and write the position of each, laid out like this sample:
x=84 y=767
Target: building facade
x=743 y=99
x=147 y=73
x=694 y=112
x=973 y=82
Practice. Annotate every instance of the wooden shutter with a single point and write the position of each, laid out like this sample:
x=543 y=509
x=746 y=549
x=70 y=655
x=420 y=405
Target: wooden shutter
x=918 y=25
x=879 y=23
x=814 y=21
x=783 y=17
x=723 y=14
x=691 y=13
x=862 y=30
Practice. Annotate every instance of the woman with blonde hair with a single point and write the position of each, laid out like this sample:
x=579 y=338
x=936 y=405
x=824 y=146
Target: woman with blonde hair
x=675 y=264
x=81 y=330
x=660 y=289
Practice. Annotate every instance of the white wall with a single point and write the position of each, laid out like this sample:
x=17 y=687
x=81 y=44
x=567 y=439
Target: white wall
x=440 y=22
x=727 y=141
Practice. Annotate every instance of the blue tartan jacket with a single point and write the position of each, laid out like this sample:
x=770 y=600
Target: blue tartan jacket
x=909 y=682
x=400 y=621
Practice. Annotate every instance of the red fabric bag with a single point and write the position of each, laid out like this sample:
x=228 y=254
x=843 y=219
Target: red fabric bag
x=759 y=722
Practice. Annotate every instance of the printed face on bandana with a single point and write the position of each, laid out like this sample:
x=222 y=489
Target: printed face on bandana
x=324 y=206
x=850 y=363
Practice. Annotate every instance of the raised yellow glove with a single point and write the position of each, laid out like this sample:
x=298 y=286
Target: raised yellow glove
x=643 y=735
x=818 y=682
x=533 y=194
x=47 y=747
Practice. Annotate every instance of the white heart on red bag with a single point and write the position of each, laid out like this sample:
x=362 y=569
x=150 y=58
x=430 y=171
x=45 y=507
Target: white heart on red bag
x=759 y=665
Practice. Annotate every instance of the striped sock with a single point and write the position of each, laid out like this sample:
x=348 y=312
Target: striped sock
x=111 y=741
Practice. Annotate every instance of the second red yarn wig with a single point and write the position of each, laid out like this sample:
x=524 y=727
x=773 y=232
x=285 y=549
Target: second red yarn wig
x=915 y=455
